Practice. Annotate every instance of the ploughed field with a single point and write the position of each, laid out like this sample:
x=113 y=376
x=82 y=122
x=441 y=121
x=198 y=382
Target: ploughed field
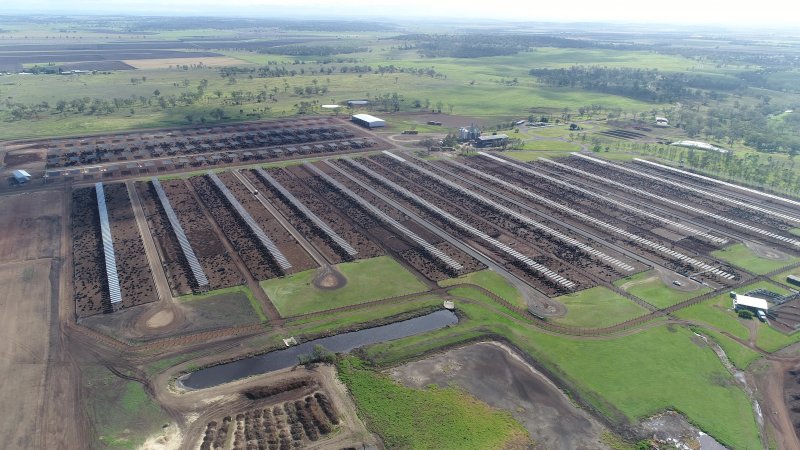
x=89 y=273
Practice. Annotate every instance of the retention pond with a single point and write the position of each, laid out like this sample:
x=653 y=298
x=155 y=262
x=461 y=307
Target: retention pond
x=340 y=343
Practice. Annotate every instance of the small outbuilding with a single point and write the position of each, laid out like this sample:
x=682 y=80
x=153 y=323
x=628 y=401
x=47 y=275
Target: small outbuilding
x=355 y=103
x=21 y=176
x=368 y=121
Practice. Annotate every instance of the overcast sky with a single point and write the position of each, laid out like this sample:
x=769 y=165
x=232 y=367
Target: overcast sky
x=725 y=12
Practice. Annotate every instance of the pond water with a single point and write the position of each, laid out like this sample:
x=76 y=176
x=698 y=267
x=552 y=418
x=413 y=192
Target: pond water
x=340 y=343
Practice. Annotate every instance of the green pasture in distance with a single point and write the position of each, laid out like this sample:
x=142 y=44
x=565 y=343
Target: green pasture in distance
x=649 y=287
x=369 y=279
x=741 y=256
x=597 y=307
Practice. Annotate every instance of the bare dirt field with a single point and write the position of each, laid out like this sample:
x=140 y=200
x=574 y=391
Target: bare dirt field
x=166 y=63
x=25 y=302
x=28 y=223
x=252 y=404
x=495 y=374
x=29 y=240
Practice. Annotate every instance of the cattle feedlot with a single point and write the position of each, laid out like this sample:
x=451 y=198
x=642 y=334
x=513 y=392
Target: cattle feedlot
x=210 y=247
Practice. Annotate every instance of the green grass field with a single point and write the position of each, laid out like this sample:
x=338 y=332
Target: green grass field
x=741 y=256
x=625 y=378
x=781 y=278
x=491 y=281
x=369 y=279
x=433 y=418
x=122 y=413
x=597 y=307
x=718 y=313
x=741 y=356
x=552 y=146
x=649 y=287
x=228 y=296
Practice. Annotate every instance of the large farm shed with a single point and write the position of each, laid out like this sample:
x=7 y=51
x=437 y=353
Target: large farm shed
x=751 y=303
x=367 y=121
x=495 y=140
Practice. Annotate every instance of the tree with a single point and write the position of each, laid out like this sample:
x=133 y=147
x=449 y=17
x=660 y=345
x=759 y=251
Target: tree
x=745 y=314
x=156 y=93
x=319 y=354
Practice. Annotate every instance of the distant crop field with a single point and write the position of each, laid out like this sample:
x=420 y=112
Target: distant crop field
x=165 y=63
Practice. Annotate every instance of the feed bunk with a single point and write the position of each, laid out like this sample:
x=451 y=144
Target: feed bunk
x=612 y=228
x=634 y=209
x=251 y=223
x=433 y=251
x=188 y=253
x=520 y=217
x=694 y=189
x=715 y=181
x=673 y=202
x=319 y=223
x=519 y=257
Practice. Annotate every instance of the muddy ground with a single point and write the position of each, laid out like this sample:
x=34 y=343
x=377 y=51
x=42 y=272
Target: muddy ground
x=495 y=374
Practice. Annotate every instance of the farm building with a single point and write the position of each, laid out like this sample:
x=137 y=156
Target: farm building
x=751 y=303
x=662 y=121
x=793 y=279
x=495 y=140
x=354 y=103
x=469 y=133
x=365 y=120
x=21 y=176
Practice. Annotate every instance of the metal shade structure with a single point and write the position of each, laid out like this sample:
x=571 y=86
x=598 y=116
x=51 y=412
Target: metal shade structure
x=430 y=248
x=191 y=259
x=273 y=250
x=114 y=292
x=319 y=223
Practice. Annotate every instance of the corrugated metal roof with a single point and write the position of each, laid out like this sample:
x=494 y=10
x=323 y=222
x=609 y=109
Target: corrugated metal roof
x=108 y=247
x=252 y=224
x=367 y=118
x=344 y=245
x=188 y=253
x=751 y=302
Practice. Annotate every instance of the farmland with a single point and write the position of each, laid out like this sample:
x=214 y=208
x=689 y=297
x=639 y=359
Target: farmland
x=192 y=208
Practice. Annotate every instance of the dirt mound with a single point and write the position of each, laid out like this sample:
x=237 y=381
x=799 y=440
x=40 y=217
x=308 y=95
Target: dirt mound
x=329 y=278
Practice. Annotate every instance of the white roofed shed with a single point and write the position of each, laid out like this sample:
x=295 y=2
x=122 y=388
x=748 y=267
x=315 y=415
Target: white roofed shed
x=743 y=301
x=368 y=121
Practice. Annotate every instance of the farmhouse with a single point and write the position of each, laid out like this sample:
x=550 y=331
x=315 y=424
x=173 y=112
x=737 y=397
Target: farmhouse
x=495 y=140
x=662 y=122
x=367 y=121
x=21 y=176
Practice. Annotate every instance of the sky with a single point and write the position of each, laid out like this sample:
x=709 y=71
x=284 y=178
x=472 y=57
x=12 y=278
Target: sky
x=737 y=13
